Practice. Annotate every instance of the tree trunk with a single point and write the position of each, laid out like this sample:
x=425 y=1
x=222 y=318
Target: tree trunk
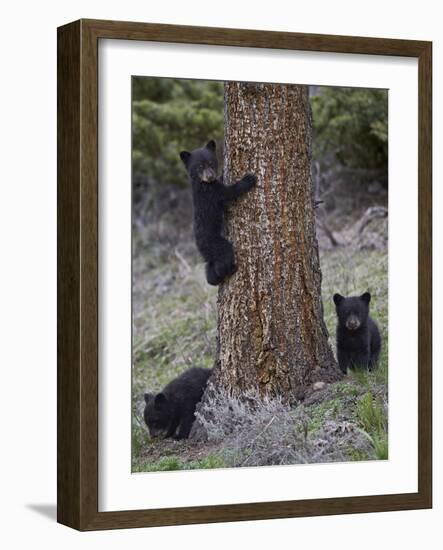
x=271 y=332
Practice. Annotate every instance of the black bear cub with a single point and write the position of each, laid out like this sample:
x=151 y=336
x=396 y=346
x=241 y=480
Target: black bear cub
x=174 y=407
x=358 y=337
x=210 y=196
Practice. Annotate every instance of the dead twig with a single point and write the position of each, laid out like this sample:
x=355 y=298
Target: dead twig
x=371 y=214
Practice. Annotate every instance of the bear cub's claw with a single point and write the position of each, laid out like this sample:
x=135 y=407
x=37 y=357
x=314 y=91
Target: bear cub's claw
x=250 y=180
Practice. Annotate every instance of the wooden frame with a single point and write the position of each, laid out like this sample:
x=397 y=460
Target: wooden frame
x=77 y=455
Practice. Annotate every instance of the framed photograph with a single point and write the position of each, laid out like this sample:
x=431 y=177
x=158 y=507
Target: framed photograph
x=244 y=275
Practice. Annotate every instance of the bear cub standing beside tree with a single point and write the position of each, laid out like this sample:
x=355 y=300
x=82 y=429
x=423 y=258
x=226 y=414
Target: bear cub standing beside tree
x=358 y=337
x=174 y=407
x=210 y=196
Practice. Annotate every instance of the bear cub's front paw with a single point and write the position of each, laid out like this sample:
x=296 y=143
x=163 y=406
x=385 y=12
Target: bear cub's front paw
x=249 y=180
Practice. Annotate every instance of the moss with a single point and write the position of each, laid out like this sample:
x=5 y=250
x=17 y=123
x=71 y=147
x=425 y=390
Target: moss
x=318 y=414
x=356 y=454
x=174 y=463
x=209 y=462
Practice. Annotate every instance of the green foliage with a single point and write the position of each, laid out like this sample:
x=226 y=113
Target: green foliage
x=170 y=115
x=370 y=413
x=173 y=463
x=356 y=454
x=371 y=416
x=381 y=446
x=352 y=125
x=327 y=410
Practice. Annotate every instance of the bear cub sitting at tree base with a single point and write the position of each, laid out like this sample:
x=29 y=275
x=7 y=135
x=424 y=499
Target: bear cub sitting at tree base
x=210 y=196
x=358 y=337
x=174 y=407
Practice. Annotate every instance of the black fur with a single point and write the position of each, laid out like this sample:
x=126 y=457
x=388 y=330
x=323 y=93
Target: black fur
x=358 y=337
x=174 y=407
x=210 y=196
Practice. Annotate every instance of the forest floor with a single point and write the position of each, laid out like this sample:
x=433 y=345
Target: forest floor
x=174 y=328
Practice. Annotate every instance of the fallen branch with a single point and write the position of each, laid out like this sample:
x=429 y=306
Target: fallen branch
x=371 y=213
x=325 y=228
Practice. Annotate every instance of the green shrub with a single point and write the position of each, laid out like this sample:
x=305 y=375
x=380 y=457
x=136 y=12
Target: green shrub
x=351 y=124
x=170 y=115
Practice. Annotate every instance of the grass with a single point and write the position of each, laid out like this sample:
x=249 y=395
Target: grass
x=174 y=463
x=371 y=414
x=173 y=321
x=174 y=327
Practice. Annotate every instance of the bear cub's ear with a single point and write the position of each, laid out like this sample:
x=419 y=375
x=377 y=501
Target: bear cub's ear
x=211 y=145
x=366 y=297
x=160 y=400
x=337 y=299
x=185 y=156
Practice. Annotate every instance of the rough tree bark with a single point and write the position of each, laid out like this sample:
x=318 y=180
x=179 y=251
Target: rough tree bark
x=271 y=332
